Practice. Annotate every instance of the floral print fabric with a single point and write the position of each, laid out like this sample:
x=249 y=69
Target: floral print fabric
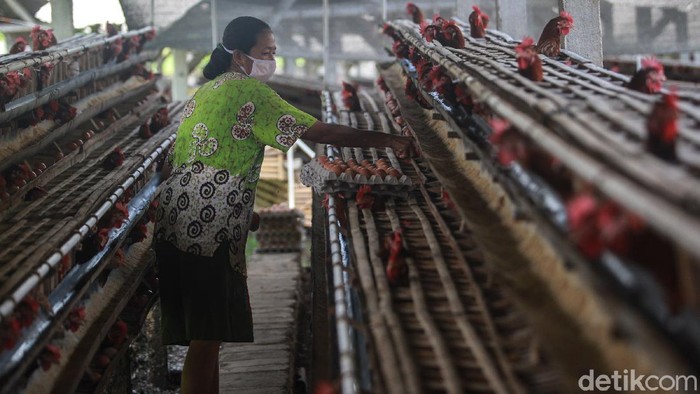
x=217 y=157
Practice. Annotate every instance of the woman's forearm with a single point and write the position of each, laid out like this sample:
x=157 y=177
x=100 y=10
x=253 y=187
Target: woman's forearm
x=334 y=134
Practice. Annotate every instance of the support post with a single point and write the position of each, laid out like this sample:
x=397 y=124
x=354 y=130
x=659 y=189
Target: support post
x=511 y=17
x=586 y=38
x=291 y=198
x=62 y=18
x=179 y=84
x=326 y=43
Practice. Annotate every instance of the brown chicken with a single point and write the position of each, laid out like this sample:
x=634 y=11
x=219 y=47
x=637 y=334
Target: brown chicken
x=478 y=22
x=42 y=39
x=159 y=120
x=400 y=49
x=648 y=79
x=529 y=63
x=396 y=267
x=415 y=12
x=350 y=98
x=430 y=31
x=552 y=34
x=662 y=128
x=452 y=35
x=412 y=93
x=19 y=46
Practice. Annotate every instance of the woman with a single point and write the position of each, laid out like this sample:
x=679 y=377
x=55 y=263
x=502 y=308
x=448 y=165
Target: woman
x=206 y=207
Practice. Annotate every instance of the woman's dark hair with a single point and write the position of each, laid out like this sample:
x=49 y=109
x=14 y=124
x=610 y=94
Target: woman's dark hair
x=242 y=34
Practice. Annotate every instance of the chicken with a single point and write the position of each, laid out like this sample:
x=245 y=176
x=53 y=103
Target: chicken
x=9 y=332
x=92 y=245
x=51 y=354
x=390 y=31
x=27 y=311
x=159 y=120
x=452 y=35
x=349 y=97
x=19 y=46
x=364 y=198
x=463 y=97
x=113 y=50
x=118 y=334
x=412 y=93
x=662 y=127
x=442 y=83
x=430 y=32
x=478 y=22
x=648 y=79
x=75 y=319
x=439 y=21
x=529 y=62
x=112 y=29
x=423 y=67
x=9 y=86
x=415 y=12
x=145 y=131
x=396 y=267
x=414 y=55
x=114 y=159
x=381 y=84
x=582 y=213
x=139 y=233
x=44 y=75
x=42 y=39
x=36 y=193
x=400 y=49
x=550 y=39
x=512 y=146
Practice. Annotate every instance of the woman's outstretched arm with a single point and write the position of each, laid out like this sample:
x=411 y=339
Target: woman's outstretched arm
x=340 y=135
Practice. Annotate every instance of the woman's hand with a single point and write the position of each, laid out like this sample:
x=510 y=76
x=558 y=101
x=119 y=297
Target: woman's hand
x=403 y=147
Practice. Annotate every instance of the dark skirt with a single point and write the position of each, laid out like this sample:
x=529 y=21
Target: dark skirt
x=202 y=298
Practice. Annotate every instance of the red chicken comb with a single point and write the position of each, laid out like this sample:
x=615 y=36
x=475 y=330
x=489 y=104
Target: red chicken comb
x=652 y=63
x=526 y=43
x=21 y=39
x=410 y=7
x=477 y=9
x=566 y=16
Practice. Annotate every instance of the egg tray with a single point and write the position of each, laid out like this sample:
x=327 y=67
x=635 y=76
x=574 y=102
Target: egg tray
x=323 y=181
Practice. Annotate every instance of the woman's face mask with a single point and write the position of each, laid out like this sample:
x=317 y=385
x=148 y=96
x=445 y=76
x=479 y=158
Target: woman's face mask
x=262 y=69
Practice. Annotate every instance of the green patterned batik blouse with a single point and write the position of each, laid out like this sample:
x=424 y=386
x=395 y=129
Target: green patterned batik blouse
x=217 y=157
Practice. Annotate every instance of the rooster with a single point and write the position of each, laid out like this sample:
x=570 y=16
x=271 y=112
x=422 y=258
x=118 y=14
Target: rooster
x=662 y=127
x=50 y=355
x=529 y=62
x=412 y=93
x=478 y=22
x=350 y=98
x=648 y=79
x=415 y=12
x=396 y=267
x=550 y=39
x=19 y=46
x=42 y=39
x=452 y=35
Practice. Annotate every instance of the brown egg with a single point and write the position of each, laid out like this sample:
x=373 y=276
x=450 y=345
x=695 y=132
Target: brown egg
x=380 y=173
x=349 y=172
x=382 y=163
x=87 y=135
x=352 y=162
x=72 y=146
x=364 y=172
x=40 y=166
x=323 y=159
x=13 y=189
x=393 y=172
x=366 y=163
x=336 y=169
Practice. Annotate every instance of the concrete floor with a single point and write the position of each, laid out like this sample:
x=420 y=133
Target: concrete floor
x=265 y=366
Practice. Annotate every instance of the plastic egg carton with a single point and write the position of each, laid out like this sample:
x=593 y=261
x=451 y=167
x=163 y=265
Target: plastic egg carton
x=323 y=180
